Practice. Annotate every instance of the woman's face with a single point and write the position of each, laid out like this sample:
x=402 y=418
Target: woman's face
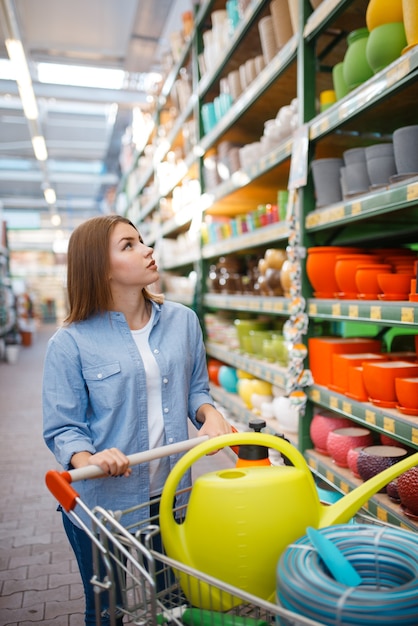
x=130 y=260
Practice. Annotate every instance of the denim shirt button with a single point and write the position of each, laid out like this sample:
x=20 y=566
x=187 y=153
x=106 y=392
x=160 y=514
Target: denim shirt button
x=166 y=410
x=99 y=375
x=156 y=351
x=170 y=440
x=165 y=381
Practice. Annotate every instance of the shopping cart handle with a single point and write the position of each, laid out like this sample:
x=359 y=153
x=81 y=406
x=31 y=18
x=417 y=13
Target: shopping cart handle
x=59 y=483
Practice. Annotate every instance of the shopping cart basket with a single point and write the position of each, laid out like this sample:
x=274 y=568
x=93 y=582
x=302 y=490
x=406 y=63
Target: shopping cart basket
x=130 y=565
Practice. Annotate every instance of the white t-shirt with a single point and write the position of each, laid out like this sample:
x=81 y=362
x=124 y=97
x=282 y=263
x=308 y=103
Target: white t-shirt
x=160 y=467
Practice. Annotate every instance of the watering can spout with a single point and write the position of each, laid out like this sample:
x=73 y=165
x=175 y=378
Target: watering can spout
x=344 y=509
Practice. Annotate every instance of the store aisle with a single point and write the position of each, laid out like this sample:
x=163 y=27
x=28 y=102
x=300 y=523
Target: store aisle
x=39 y=580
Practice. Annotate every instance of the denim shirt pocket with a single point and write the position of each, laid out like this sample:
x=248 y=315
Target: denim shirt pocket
x=105 y=385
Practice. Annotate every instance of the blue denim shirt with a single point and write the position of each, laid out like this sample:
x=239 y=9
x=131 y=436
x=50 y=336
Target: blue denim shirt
x=94 y=395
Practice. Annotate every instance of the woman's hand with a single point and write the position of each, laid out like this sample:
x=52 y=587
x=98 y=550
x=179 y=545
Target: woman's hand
x=214 y=423
x=111 y=461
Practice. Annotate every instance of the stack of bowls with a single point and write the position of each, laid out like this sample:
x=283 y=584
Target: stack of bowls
x=326 y=178
x=380 y=161
x=405 y=141
x=355 y=176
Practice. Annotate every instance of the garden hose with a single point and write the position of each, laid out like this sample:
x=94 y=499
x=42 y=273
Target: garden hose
x=386 y=558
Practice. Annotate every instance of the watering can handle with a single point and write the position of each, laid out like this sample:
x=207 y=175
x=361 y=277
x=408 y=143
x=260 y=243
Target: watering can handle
x=223 y=441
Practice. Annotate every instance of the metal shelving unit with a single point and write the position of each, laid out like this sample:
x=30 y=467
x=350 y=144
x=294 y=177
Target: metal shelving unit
x=360 y=219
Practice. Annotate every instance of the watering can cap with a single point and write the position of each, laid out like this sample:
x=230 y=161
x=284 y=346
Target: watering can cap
x=253 y=452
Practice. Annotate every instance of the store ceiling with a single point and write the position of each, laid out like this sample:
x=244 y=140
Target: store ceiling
x=82 y=126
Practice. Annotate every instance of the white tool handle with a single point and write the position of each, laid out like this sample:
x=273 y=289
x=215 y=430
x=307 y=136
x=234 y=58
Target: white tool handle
x=93 y=471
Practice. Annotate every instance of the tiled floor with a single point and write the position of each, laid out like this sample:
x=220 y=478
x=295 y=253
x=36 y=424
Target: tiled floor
x=39 y=579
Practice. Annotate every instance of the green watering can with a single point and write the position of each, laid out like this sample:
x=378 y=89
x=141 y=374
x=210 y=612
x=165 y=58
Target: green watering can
x=240 y=520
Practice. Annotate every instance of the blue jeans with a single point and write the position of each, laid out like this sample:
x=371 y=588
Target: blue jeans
x=82 y=547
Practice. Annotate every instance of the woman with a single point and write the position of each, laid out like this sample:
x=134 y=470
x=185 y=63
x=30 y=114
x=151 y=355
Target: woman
x=123 y=375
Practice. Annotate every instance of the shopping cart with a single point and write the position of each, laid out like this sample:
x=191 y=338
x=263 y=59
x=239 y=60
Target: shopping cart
x=140 y=580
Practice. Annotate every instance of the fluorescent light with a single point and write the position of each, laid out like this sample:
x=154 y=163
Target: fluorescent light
x=55 y=220
x=50 y=195
x=30 y=107
x=23 y=79
x=80 y=76
x=18 y=59
x=39 y=148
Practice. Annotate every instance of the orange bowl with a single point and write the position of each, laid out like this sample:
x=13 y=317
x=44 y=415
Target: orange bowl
x=320 y=268
x=345 y=271
x=394 y=284
x=379 y=380
x=407 y=392
x=366 y=279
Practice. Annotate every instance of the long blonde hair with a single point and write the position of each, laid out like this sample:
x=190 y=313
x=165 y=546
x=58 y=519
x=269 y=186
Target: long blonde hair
x=88 y=267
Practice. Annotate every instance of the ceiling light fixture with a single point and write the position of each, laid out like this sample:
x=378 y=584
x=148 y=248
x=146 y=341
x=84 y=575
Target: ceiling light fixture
x=80 y=76
x=39 y=148
x=55 y=219
x=24 y=82
x=50 y=195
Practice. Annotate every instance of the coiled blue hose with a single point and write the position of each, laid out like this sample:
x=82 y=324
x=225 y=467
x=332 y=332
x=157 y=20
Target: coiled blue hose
x=387 y=560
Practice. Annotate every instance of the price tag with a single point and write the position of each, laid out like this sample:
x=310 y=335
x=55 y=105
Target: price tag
x=336 y=309
x=336 y=213
x=330 y=476
x=312 y=220
x=313 y=463
x=356 y=208
x=279 y=380
x=412 y=191
x=278 y=306
x=344 y=487
x=347 y=408
x=382 y=514
x=257 y=371
x=401 y=69
x=298 y=174
x=324 y=124
x=375 y=313
x=370 y=417
x=353 y=310
x=414 y=435
x=389 y=424
x=333 y=402
x=407 y=314
x=316 y=396
x=313 y=309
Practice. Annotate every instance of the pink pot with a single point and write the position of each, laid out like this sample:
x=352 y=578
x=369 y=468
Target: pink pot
x=322 y=424
x=340 y=441
x=352 y=459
